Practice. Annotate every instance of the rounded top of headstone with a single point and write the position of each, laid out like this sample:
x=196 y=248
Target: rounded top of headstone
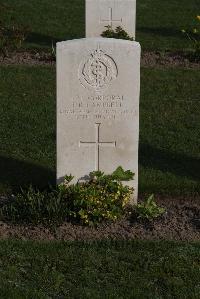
x=93 y=40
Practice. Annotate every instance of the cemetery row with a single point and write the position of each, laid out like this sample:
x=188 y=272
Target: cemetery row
x=98 y=85
x=158 y=26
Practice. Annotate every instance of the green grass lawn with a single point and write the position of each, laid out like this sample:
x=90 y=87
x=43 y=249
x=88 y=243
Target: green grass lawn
x=27 y=131
x=158 y=22
x=169 y=131
x=169 y=156
x=106 y=269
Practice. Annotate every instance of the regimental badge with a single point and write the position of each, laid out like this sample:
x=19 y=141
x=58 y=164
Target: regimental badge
x=98 y=71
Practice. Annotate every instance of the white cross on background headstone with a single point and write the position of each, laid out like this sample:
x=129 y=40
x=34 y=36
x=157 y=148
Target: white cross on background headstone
x=97 y=144
x=101 y=13
x=110 y=20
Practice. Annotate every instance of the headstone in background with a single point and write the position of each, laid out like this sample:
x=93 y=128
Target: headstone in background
x=98 y=84
x=101 y=13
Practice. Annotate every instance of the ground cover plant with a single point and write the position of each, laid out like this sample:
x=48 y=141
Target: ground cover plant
x=101 y=198
x=118 y=33
x=106 y=269
x=149 y=209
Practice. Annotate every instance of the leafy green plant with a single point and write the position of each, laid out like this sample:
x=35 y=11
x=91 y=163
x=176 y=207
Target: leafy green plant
x=194 y=36
x=103 y=197
x=118 y=33
x=149 y=209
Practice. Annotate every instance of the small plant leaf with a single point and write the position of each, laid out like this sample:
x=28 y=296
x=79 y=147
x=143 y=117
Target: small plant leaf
x=149 y=209
x=121 y=175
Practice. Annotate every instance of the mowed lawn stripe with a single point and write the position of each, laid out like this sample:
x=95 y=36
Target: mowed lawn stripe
x=103 y=269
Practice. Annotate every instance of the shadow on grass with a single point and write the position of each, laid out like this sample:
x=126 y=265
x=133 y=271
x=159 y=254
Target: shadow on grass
x=42 y=40
x=166 y=161
x=164 y=32
x=15 y=174
x=45 y=40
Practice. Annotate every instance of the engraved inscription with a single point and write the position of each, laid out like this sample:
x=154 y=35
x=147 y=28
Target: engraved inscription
x=110 y=19
x=98 y=71
x=97 y=144
x=98 y=107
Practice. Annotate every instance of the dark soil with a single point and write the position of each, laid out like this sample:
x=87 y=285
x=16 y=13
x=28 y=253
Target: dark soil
x=28 y=58
x=149 y=59
x=168 y=59
x=180 y=222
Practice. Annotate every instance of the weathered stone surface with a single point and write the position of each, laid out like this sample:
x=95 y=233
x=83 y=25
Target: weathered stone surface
x=101 y=13
x=98 y=83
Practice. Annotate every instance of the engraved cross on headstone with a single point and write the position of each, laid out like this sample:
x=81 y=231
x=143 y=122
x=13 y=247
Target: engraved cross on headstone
x=110 y=20
x=97 y=144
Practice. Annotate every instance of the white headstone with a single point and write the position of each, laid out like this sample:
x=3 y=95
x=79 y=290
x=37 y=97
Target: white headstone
x=101 y=13
x=98 y=84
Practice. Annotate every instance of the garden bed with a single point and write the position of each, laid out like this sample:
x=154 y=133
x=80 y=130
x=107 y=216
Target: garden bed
x=180 y=222
x=148 y=59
